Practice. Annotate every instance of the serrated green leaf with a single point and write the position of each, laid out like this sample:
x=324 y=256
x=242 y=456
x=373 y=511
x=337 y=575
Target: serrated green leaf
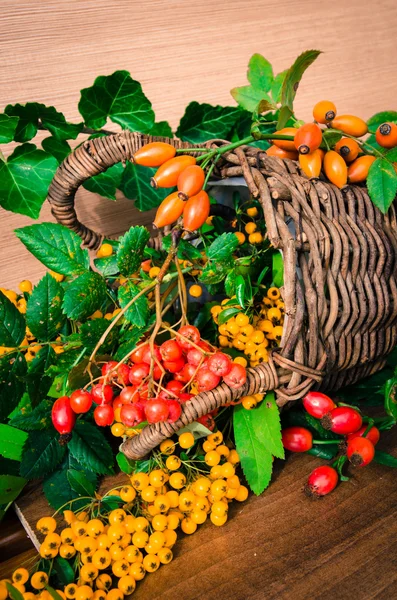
x=130 y=252
x=44 y=315
x=63 y=570
x=43 y=360
x=38 y=383
x=256 y=460
x=56 y=246
x=39 y=418
x=10 y=488
x=382 y=184
x=25 y=178
x=8 y=126
x=223 y=247
x=372 y=143
x=90 y=448
x=135 y=334
x=84 y=296
x=186 y=250
x=80 y=483
x=214 y=272
x=126 y=465
x=41 y=455
x=277 y=85
x=202 y=122
x=105 y=184
x=294 y=75
x=78 y=376
x=249 y=97
x=12 y=382
x=135 y=185
x=58 y=491
x=119 y=98
x=383 y=458
x=138 y=313
x=107 y=266
x=161 y=129
x=283 y=116
x=12 y=441
x=59 y=149
x=92 y=331
x=29 y=115
x=12 y=323
x=382 y=117
x=392 y=155
x=23 y=406
x=260 y=72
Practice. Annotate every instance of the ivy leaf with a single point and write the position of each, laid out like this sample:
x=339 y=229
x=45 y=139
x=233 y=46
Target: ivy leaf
x=105 y=184
x=277 y=86
x=249 y=97
x=138 y=313
x=59 y=149
x=120 y=98
x=382 y=184
x=28 y=119
x=12 y=441
x=90 y=448
x=44 y=311
x=84 y=296
x=25 y=179
x=162 y=129
x=383 y=458
x=42 y=453
x=294 y=75
x=260 y=72
x=56 y=246
x=12 y=382
x=80 y=483
x=29 y=115
x=10 y=488
x=130 y=251
x=12 y=323
x=382 y=117
x=39 y=418
x=56 y=123
x=256 y=460
x=92 y=331
x=223 y=247
x=135 y=185
x=202 y=122
x=58 y=490
x=8 y=126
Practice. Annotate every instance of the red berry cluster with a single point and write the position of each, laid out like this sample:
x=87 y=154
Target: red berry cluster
x=342 y=420
x=174 y=366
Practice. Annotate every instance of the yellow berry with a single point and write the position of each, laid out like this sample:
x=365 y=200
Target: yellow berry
x=20 y=576
x=22 y=306
x=212 y=458
x=242 y=320
x=223 y=341
x=215 y=438
x=137 y=571
x=39 y=580
x=188 y=525
x=139 y=480
x=240 y=360
x=154 y=271
x=173 y=498
x=223 y=450
x=186 y=440
x=126 y=584
x=25 y=286
x=250 y=227
x=101 y=559
x=141 y=523
x=84 y=592
x=151 y=562
x=240 y=236
x=103 y=582
x=67 y=551
x=99 y=595
x=278 y=333
x=177 y=480
x=266 y=326
x=255 y=238
x=242 y=493
x=165 y=556
x=88 y=572
x=167 y=447
x=273 y=293
x=218 y=521
x=105 y=250
x=274 y=314
x=57 y=276
x=196 y=291
x=117 y=516
x=117 y=429
x=249 y=402
x=70 y=591
x=252 y=212
x=127 y=493
x=257 y=337
x=46 y=525
x=115 y=594
x=227 y=470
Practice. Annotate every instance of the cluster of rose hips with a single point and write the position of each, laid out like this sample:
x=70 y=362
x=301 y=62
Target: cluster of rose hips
x=358 y=443
x=190 y=200
x=188 y=362
x=347 y=162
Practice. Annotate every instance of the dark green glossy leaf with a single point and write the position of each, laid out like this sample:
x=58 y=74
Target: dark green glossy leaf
x=241 y=290
x=12 y=441
x=44 y=315
x=80 y=483
x=12 y=323
x=92 y=331
x=202 y=122
x=383 y=458
x=126 y=465
x=138 y=313
x=29 y=115
x=105 y=184
x=13 y=592
x=10 y=488
x=391 y=398
x=28 y=118
x=59 y=149
x=91 y=450
x=325 y=452
x=119 y=98
x=84 y=296
x=186 y=250
x=135 y=185
x=130 y=252
x=223 y=247
x=25 y=178
x=382 y=117
x=161 y=129
x=12 y=382
x=227 y=314
x=56 y=246
x=134 y=336
x=58 y=490
x=8 y=126
x=63 y=570
x=53 y=593
x=39 y=418
x=42 y=454
x=382 y=184
x=230 y=283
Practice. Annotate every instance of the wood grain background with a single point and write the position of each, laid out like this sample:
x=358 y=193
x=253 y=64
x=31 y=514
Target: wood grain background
x=278 y=545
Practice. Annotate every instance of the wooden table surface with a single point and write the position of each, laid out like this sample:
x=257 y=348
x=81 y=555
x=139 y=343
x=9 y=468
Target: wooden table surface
x=279 y=545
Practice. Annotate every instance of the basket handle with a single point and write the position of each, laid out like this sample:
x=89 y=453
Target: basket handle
x=91 y=158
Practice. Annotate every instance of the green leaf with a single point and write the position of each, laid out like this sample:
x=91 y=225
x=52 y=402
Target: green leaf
x=14 y=593
x=39 y=418
x=44 y=311
x=214 y=272
x=28 y=120
x=105 y=184
x=107 y=266
x=230 y=283
x=90 y=448
x=80 y=483
x=24 y=180
x=392 y=155
x=260 y=72
x=249 y=97
x=135 y=185
x=382 y=117
x=278 y=269
x=78 y=376
x=38 y=382
x=294 y=75
x=63 y=570
x=240 y=290
x=126 y=465
x=277 y=85
x=383 y=458
x=134 y=336
x=130 y=252
x=58 y=490
x=12 y=382
x=382 y=184
x=119 y=98
x=202 y=122
x=325 y=452
x=330 y=138
x=283 y=116
x=223 y=247
x=8 y=126
x=56 y=246
x=12 y=441
x=12 y=323
x=162 y=129
x=138 y=313
x=256 y=460
x=10 y=488
x=42 y=453
x=92 y=331
x=29 y=115
x=56 y=123
x=391 y=398
x=53 y=593
x=186 y=250
x=84 y=296
x=9 y=467
x=59 y=149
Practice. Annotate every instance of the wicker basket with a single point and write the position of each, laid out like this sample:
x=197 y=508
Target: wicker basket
x=340 y=288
